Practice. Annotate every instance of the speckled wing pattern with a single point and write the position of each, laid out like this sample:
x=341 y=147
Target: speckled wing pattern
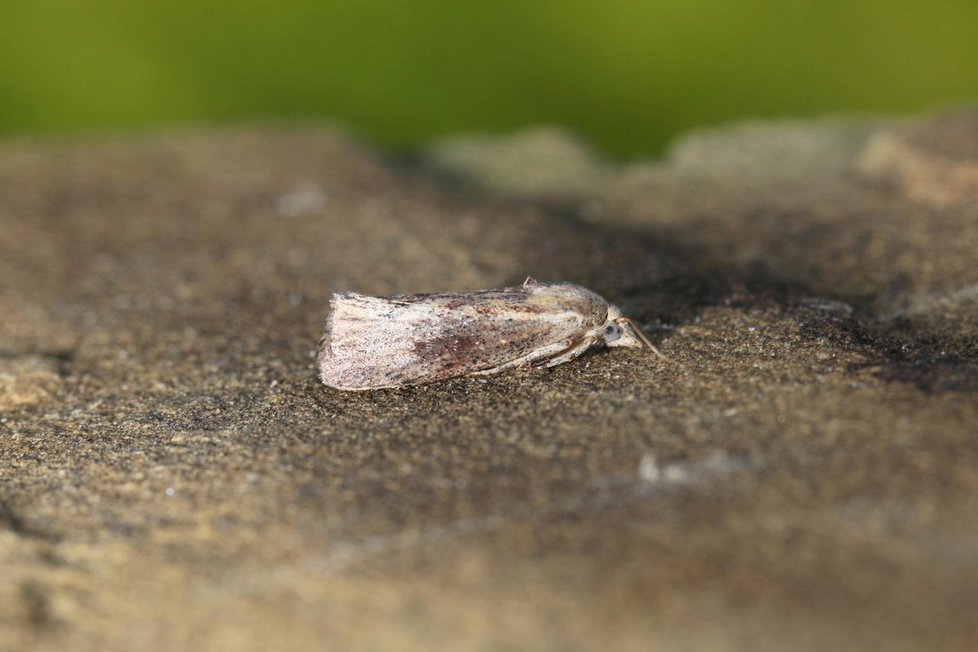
x=374 y=342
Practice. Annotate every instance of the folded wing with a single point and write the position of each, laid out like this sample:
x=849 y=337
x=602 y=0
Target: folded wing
x=373 y=342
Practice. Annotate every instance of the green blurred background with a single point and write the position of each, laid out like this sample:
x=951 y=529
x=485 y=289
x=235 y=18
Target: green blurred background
x=626 y=74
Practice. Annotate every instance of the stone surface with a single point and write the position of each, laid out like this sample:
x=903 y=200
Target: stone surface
x=172 y=474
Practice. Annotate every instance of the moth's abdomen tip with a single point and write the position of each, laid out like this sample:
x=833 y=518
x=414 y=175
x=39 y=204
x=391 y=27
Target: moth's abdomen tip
x=331 y=376
x=325 y=370
x=326 y=361
x=337 y=372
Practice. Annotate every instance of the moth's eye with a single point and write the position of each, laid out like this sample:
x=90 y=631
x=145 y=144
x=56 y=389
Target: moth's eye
x=612 y=331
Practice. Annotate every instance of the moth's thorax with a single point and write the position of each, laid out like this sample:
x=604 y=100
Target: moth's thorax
x=564 y=297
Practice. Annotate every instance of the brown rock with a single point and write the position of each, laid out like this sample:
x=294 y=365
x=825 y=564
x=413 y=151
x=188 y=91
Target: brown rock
x=932 y=161
x=178 y=477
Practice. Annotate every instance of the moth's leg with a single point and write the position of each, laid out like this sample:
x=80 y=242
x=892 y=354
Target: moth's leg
x=533 y=357
x=569 y=353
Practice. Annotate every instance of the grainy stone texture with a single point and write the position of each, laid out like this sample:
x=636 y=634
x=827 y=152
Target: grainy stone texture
x=173 y=475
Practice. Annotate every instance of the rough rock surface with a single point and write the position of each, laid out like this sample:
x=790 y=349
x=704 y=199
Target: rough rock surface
x=173 y=475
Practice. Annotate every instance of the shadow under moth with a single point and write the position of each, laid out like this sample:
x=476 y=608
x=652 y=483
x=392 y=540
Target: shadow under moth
x=377 y=342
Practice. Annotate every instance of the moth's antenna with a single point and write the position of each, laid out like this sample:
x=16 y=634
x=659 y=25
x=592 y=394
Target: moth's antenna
x=645 y=340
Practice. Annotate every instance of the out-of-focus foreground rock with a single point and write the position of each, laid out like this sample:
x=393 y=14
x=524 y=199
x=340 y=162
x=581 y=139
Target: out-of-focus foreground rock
x=173 y=475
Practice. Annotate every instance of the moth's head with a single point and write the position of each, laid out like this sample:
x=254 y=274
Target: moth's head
x=619 y=331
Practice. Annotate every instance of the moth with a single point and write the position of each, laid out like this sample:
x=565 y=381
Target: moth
x=377 y=342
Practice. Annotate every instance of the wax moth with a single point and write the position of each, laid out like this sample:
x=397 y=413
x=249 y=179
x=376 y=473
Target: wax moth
x=376 y=342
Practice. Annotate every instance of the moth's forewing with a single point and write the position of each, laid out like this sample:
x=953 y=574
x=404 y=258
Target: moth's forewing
x=373 y=342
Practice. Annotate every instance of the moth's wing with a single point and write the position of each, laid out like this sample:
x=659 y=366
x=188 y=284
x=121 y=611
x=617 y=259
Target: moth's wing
x=373 y=342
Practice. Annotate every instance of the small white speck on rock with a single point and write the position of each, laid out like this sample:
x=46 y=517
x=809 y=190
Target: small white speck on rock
x=304 y=200
x=648 y=469
x=675 y=473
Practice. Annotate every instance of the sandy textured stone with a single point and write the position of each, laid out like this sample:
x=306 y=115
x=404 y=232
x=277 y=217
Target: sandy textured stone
x=545 y=162
x=173 y=475
x=934 y=161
